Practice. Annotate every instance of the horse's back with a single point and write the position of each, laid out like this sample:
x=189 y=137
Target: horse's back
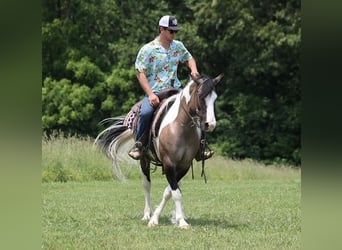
x=132 y=118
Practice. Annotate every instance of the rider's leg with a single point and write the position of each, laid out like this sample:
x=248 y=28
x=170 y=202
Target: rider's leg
x=141 y=138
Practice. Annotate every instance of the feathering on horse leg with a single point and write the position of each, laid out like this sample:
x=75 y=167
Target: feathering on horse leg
x=180 y=218
x=147 y=193
x=174 y=178
x=157 y=212
x=145 y=172
x=173 y=212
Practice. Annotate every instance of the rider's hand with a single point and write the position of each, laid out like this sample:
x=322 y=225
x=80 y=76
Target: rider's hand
x=153 y=99
x=195 y=74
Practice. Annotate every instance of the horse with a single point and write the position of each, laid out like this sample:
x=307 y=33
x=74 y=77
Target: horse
x=175 y=140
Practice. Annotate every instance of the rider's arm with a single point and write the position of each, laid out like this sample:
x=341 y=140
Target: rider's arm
x=144 y=83
x=154 y=100
x=193 y=67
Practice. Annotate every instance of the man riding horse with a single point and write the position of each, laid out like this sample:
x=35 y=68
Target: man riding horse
x=156 y=65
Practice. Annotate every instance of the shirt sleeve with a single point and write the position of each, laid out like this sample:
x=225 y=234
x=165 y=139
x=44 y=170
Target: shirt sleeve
x=142 y=59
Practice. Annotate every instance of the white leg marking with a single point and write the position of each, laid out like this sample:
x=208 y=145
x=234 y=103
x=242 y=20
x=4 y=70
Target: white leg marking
x=180 y=220
x=147 y=189
x=155 y=218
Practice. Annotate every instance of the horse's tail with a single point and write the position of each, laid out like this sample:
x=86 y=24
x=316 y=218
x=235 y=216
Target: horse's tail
x=110 y=140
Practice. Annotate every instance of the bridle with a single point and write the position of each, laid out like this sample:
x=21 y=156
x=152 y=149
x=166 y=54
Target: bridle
x=195 y=120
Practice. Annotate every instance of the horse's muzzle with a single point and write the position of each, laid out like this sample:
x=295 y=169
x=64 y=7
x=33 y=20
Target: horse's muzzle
x=209 y=126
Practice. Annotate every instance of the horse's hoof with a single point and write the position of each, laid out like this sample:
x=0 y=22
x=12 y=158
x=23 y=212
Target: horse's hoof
x=146 y=217
x=151 y=224
x=183 y=224
x=187 y=226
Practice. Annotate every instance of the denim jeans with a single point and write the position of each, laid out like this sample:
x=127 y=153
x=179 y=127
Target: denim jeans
x=146 y=113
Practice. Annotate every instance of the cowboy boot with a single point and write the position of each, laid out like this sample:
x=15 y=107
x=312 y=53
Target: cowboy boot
x=207 y=154
x=136 y=151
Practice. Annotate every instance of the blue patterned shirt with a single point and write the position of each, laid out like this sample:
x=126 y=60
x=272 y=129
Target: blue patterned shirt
x=160 y=65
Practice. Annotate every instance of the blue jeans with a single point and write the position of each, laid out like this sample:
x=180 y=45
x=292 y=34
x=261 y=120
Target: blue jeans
x=146 y=113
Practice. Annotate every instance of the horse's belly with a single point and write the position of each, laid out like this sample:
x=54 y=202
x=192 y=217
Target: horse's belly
x=174 y=138
x=176 y=144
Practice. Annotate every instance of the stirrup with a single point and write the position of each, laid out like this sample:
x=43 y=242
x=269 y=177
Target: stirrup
x=136 y=151
x=208 y=154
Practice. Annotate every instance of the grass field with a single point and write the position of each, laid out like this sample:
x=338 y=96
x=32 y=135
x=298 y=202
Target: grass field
x=244 y=205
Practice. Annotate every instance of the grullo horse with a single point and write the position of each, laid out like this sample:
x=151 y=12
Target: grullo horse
x=175 y=137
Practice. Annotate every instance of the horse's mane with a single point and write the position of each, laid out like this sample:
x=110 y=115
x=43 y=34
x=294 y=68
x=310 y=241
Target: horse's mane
x=203 y=86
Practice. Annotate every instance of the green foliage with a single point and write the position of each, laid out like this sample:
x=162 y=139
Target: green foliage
x=89 y=50
x=66 y=104
x=85 y=71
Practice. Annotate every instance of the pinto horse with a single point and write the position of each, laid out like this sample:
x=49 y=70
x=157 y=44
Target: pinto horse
x=175 y=140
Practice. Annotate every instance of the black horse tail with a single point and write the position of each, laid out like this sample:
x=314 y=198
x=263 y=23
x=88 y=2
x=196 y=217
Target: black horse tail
x=110 y=140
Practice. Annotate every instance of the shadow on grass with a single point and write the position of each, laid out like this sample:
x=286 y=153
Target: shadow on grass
x=207 y=222
x=222 y=223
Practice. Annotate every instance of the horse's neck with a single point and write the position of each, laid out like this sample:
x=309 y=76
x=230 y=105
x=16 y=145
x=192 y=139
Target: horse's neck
x=176 y=129
x=179 y=113
x=186 y=114
x=172 y=114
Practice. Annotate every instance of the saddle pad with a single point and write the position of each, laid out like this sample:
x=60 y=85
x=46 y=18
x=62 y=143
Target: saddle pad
x=132 y=117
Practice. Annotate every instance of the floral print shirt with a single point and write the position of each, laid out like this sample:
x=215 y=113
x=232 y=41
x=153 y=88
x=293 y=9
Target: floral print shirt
x=160 y=65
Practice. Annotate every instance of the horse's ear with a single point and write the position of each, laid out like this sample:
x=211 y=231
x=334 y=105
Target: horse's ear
x=218 y=78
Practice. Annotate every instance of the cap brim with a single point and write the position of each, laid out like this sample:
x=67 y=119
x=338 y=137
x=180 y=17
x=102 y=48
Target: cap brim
x=174 y=28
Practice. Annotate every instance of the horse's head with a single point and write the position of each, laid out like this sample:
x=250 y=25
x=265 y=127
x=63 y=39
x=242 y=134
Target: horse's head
x=202 y=101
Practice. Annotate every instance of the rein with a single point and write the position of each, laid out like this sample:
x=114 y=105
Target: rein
x=202 y=147
x=203 y=143
x=195 y=121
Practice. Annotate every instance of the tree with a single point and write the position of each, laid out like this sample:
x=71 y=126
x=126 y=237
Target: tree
x=89 y=49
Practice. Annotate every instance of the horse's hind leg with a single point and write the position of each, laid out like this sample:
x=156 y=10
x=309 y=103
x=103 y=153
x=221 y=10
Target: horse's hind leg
x=145 y=172
x=155 y=218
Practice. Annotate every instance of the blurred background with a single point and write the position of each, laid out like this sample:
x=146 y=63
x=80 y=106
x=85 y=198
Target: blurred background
x=89 y=50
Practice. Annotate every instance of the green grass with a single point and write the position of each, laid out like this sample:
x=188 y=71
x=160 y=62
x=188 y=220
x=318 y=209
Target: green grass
x=244 y=205
x=77 y=159
x=256 y=214
x=73 y=159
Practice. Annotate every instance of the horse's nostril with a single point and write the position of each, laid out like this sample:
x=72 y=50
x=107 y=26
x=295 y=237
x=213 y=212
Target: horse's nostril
x=206 y=125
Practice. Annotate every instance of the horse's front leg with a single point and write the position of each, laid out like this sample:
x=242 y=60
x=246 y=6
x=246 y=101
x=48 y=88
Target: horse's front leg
x=145 y=172
x=177 y=196
x=155 y=218
x=180 y=218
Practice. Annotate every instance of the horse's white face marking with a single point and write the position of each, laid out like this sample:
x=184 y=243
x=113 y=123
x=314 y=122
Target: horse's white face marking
x=211 y=119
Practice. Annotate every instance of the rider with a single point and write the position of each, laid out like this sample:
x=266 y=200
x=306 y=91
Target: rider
x=156 y=65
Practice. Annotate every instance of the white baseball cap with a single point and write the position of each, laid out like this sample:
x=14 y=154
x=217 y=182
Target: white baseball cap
x=169 y=22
